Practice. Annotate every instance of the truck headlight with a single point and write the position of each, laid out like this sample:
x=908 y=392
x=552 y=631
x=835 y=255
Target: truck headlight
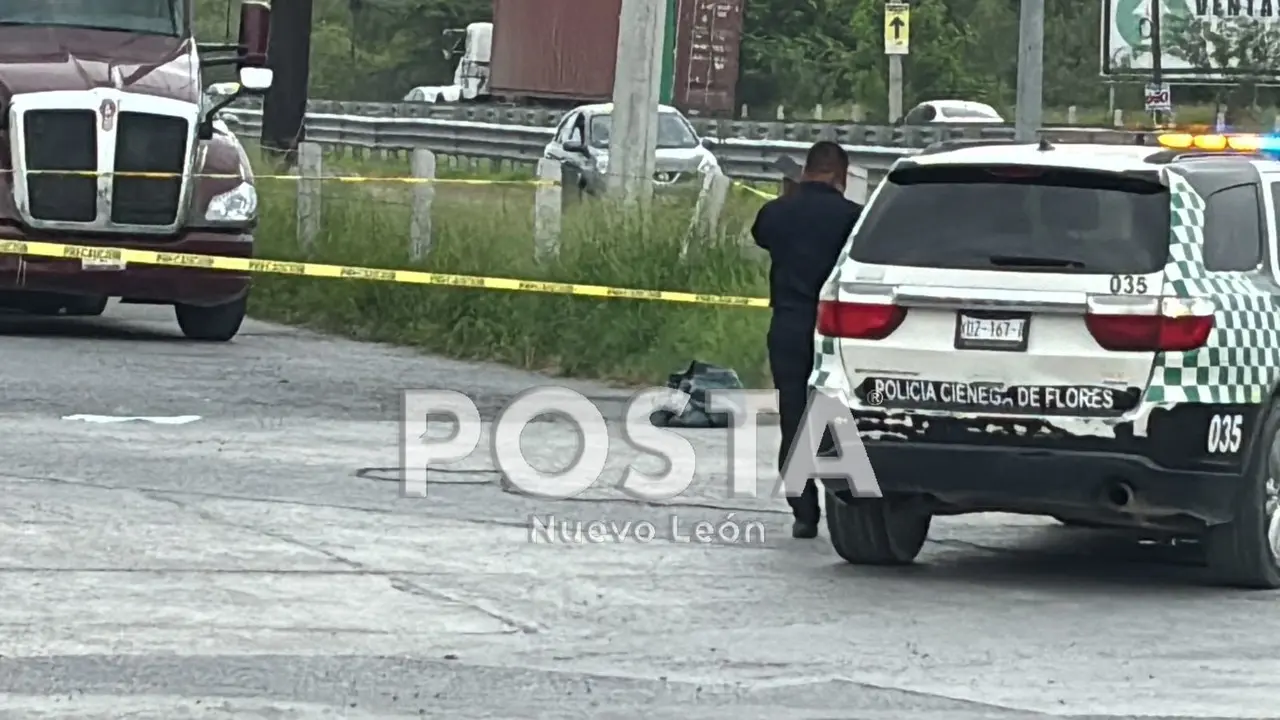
x=238 y=205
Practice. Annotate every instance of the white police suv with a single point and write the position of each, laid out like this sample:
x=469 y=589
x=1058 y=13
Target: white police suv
x=1090 y=332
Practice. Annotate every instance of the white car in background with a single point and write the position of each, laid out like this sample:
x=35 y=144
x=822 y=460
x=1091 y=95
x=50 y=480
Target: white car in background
x=581 y=141
x=952 y=112
x=434 y=94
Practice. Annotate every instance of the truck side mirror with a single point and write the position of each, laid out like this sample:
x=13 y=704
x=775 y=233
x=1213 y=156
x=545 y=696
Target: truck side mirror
x=250 y=60
x=255 y=79
x=254 y=41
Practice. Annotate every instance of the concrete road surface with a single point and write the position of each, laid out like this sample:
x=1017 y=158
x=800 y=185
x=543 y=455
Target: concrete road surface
x=236 y=565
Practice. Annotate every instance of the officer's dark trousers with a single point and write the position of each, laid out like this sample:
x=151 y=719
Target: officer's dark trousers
x=791 y=360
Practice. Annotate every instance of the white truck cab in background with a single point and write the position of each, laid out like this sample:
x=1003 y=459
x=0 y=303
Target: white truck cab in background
x=471 y=76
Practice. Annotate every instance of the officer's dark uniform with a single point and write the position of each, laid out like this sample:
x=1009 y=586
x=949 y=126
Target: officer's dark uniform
x=804 y=232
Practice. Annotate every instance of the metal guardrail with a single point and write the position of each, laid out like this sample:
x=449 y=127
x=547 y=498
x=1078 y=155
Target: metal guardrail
x=739 y=158
x=806 y=132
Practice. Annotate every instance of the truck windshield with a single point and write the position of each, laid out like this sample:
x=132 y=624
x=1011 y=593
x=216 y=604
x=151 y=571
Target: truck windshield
x=673 y=131
x=151 y=17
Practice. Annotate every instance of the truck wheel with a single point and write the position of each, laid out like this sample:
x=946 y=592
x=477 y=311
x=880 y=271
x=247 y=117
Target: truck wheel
x=1245 y=552
x=216 y=323
x=876 y=531
x=41 y=305
x=86 y=305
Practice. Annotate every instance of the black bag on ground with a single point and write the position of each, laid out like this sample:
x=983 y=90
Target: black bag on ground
x=696 y=381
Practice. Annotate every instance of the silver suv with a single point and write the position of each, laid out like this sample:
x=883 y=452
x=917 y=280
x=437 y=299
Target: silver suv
x=581 y=142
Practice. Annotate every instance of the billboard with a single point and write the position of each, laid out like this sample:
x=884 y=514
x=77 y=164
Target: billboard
x=1202 y=41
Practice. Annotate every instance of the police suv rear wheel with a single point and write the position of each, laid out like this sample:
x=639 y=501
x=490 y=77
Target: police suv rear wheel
x=215 y=323
x=876 y=531
x=1245 y=552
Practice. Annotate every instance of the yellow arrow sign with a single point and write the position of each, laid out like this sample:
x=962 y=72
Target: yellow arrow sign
x=897 y=29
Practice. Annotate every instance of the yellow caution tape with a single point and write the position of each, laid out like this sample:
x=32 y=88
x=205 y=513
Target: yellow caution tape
x=756 y=191
x=327 y=178
x=413 y=277
x=331 y=178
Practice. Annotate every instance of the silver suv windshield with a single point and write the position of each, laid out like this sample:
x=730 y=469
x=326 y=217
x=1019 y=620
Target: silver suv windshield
x=151 y=17
x=674 y=131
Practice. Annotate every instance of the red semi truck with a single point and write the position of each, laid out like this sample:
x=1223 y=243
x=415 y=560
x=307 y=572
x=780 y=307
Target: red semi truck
x=92 y=91
x=563 y=53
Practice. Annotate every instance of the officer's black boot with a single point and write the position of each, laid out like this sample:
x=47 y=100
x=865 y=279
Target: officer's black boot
x=804 y=530
x=807 y=513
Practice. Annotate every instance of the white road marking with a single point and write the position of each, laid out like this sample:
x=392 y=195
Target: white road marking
x=158 y=420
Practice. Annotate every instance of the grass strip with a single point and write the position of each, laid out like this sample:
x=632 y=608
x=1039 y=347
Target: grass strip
x=488 y=230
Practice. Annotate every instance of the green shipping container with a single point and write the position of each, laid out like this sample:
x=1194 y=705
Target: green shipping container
x=666 y=95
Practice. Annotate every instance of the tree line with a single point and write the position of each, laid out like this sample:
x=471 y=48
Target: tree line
x=797 y=53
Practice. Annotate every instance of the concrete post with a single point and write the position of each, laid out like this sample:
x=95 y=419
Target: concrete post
x=711 y=200
x=546 y=211
x=1030 y=71
x=310 y=191
x=422 y=165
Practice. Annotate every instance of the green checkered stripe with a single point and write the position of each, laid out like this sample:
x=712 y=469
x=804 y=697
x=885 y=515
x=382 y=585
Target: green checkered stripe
x=1241 y=360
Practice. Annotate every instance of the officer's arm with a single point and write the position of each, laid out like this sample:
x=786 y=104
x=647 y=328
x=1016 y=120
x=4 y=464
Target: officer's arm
x=761 y=229
x=854 y=214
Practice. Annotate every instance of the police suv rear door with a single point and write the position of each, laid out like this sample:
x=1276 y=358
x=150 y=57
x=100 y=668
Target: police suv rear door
x=1006 y=287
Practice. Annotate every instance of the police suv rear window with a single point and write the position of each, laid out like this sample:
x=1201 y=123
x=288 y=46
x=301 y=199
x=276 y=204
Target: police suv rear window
x=1019 y=218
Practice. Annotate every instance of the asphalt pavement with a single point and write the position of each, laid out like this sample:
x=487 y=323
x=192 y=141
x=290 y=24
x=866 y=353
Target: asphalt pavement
x=246 y=552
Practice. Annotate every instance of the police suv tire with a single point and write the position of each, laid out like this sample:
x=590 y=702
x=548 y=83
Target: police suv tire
x=876 y=531
x=214 y=323
x=1239 y=552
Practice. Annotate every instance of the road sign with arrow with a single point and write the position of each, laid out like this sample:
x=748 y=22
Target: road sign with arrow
x=897 y=28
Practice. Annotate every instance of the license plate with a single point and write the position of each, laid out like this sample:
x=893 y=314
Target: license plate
x=987 y=332
x=97 y=264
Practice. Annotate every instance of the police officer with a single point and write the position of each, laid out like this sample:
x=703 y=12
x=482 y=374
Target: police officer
x=804 y=232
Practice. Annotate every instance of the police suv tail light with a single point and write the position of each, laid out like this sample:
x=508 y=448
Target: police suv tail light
x=859 y=321
x=1176 y=325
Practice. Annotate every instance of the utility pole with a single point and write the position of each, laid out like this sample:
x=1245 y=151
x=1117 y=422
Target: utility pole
x=637 y=84
x=895 y=87
x=1157 y=64
x=1029 y=110
x=285 y=106
x=897 y=43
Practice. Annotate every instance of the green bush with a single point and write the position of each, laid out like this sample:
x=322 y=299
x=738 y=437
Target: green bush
x=488 y=230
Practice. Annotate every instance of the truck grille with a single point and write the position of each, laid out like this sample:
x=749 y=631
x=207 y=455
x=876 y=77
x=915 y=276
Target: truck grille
x=66 y=141
x=62 y=140
x=148 y=143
